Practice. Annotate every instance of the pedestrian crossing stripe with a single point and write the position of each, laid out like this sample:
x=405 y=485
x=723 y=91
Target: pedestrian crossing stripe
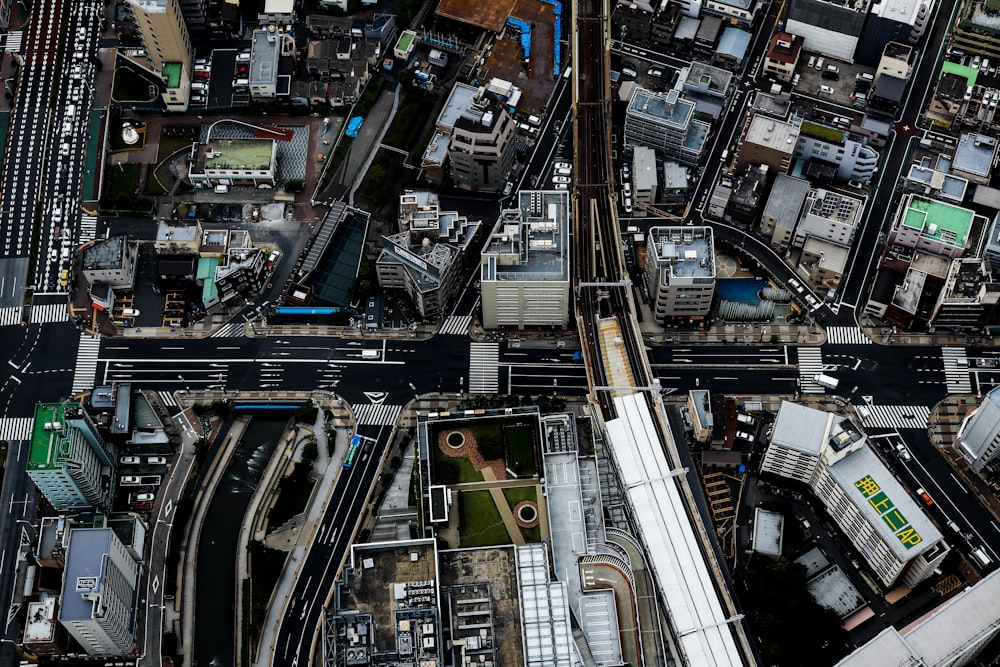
x=167 y=398
x=15 y=428
x=484 y=368
x=231 y=330
x=456 y=325
x=88 y=228
x=86 y=363
x=846 y=336
x=367 y=414
x=956 y=370
x=810 y=364
x=10 y=316
x=896 y=416
x=48 y=313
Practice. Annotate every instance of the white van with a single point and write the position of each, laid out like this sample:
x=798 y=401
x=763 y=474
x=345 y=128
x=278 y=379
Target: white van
x=534 y=120
x=198 y=85
x=130 y=312
x=825 y=90
x=221 y=189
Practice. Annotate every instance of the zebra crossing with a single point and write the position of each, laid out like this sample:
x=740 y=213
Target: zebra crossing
x=167 y=399
x=456 y=325
x=88 y=228
x=231 y=330
x=895 y=416
x=10 y=316
x=369 y=414
x=15 y=428
x=956 y=370
x=484 y=368
x=48 y=313
x=847 y=336
x=86 y=363
x=12 y=41
x=810 y=364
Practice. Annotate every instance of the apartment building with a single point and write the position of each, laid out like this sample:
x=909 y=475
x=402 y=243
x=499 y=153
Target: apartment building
x=680 y=271
x=665 y=122
x=428 y=272
x=782 y=56
x=979 y=439
x=852 y=159
x=829 y=216
x=934 y=227
x=163 y=28
x=770 y=141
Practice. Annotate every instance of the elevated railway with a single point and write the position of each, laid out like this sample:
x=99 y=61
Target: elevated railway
x=706 y=626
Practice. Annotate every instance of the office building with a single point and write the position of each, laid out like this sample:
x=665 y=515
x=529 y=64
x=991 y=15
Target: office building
x=525 y=266
x=822 y=263
x=979 y=439
x=420 y=214
x=977 y=29
x=782 y=56
x=852 y=159
x=68 y=461
x=784 y=206
x=707 y=87
x=829 y=28
x=111 y=261
x=475 y=141
x=897 y=60
x=829 y=216
x=880 y=519
x=264 y=54
x=644 y=174
x=168 y=46
x=680 y=271
x=428 y=272
x=770 y=141
x=665 y=122
x=888 y=21
x=968 y=299
x=974 y=157
x=935 y=227
x=98 y=602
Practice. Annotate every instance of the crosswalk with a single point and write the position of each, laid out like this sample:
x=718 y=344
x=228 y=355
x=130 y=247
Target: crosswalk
x=369 y=414
x=10 y=316
x=48 y=313
x=15 y=428
x=847 y=336
x=167 y=399
x=896 y=416
x=231 y=330
x=456 y=325
x=12 y=41
x=86 y=363
x=810 y=363
x=484 y=370
x=88 y=228
x=956 y=370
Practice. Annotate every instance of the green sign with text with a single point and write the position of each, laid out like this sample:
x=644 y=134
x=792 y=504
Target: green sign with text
x=893 y=518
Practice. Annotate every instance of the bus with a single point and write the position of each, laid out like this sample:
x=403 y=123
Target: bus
x=352 y=451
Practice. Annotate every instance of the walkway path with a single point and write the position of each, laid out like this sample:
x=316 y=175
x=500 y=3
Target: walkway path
x=506 y=514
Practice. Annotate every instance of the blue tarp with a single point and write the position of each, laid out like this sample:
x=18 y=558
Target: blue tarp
x=525 y=29
x=297 y=310
x=354 y=126
x=557 y=10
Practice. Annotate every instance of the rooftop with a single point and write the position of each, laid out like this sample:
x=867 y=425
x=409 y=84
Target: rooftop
x=773 y=133
x=40 y=622
x=767 y=530
x=42 y=454
x=172 y=74
x=938 y=220
x=800 y=427
x=975 y=154
x=458 y=103
x=890 y=509
x=264 y=58
x=237 y=154
x=86 y=568
x=901 y=11
x=788 y=194
x=734 y=42
x=644 y=168
x=824 y=132
x=530 y=242
x=689 y=251
x=832 y=256
x=968 y=73
x=151 y=6
x=105 y=254
x=701 y=76
x=833 y=206
x=177 y=231
x=784 y=48
x=666 y=109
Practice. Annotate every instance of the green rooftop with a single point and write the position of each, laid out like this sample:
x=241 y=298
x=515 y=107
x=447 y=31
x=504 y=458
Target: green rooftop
x=935 y=218
x=172 y=74
x=823 y=132
x=206 y=272
x=405 y=40
x=239 y=154
x=43 y=450
x=967 y=73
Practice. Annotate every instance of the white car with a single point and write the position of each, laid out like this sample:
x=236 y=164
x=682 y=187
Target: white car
x=562 y=165
x=561 y=179
x=57 y=216
x=144 y=497
x=129 y=460
x=156 y=460
x=562 y=186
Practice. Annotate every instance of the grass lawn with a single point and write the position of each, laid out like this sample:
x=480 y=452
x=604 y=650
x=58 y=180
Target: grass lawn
x=386 y=178
x=519 y=442
x=481 y=524
x=122 y=179
x=519 y=494
x=170 y=145
x=464 y=471
x=486 y=430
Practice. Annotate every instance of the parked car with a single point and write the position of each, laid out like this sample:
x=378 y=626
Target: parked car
x=129 y=460
x=561 y=179
x=143 y=497
x=562 y=165
x=156 y=460
x=825 y=90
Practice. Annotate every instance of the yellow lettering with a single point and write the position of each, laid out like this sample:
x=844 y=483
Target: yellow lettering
x=867 y=486
x=881 y=503
x=909 y=537
x=894 y=519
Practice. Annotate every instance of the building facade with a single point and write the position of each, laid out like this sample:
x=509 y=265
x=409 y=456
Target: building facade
x=979 y=440
x=68 y=461
x=525 y=265
x=680 y=271
x=99 y=592
x=164 y=34
x=429 y=273
x=665 y=122
x=855 y=161
x=111 y=261
x=783 y=56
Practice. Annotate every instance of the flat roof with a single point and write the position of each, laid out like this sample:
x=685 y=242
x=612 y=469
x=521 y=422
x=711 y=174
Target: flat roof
x=773 y=133
x=239 y=154
x=705 y=635
x=172 y=74
x=975 y=154
x=86 y=567
x=486 y=15
x=734 y=42
x=968 y=73
x=788 y=195
x=545 y=621
x=263 y=58
x=644 y=168
x=664 y=109
x=105 y=254
x=530 y=242
x=767 y=531
x=42 y=454
x=689 y=251
x=459 y=100
x=801 y=428
x=890 y=510
x=938 y=220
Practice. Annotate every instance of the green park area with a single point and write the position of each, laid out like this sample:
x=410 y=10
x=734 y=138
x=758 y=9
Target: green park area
x=480 y=524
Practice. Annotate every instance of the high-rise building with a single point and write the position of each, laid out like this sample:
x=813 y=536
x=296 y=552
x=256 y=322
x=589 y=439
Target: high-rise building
x=165 y=36
x=979 y=440
x=525 y=267
x=68 y=461
x=665 y=122
x=98 y=602
x=680 y=271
